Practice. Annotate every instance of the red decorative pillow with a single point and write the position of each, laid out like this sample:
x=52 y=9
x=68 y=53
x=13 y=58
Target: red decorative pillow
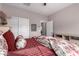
x=10 y=40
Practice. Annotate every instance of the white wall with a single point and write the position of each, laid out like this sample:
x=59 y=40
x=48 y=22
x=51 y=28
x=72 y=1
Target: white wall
x=66 y=21
x=34 y=18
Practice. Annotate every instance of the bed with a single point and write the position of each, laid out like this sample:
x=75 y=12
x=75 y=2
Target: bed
x=32 y=48
x=40 y=46
x=47 y=46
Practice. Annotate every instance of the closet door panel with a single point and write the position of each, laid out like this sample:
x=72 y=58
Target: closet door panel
x=24 y=27
x=13 y=23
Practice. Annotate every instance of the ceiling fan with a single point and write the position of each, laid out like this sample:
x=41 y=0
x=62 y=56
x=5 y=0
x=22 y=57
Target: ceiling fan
x=29 y=4
x=44 y=4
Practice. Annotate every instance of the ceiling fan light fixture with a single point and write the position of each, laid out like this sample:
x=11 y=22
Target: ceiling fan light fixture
x=44 y=4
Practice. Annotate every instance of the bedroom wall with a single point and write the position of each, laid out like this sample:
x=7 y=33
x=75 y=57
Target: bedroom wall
x=33 y=17
x=66 y=21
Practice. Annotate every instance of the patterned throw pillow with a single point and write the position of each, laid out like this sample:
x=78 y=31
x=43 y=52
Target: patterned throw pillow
x=20 y=42
x=3 y=46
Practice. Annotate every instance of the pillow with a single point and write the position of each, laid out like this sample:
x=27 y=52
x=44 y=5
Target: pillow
x=10 y=40
x=3 y=46
x=20 y=42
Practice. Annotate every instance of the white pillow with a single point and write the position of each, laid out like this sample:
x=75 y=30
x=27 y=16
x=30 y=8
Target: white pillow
x=3 y=46
x=21 y=42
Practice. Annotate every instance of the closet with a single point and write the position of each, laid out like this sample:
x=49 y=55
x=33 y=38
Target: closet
x=19 y=26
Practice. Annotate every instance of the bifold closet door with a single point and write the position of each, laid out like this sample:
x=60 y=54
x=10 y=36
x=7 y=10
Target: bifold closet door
x=13 y=23
x=19 y=26
x=24 y=27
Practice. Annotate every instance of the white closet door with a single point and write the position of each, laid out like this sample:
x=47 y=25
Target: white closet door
x=13 y=23
x=49 y=28
x=24 y=27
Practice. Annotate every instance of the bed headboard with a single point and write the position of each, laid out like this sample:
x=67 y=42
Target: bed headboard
x=68 y=37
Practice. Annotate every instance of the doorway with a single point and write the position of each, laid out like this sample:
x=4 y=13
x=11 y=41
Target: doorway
x=43 y=30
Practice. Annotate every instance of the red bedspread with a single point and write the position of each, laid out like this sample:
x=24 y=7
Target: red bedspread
x=35 y=51
x=33 y=48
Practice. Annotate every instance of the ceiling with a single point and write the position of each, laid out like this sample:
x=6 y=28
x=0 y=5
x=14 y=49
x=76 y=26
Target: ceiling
x=39 y=8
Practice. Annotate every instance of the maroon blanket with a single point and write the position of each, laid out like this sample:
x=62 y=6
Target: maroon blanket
x=33 y=48
x=35 y=51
